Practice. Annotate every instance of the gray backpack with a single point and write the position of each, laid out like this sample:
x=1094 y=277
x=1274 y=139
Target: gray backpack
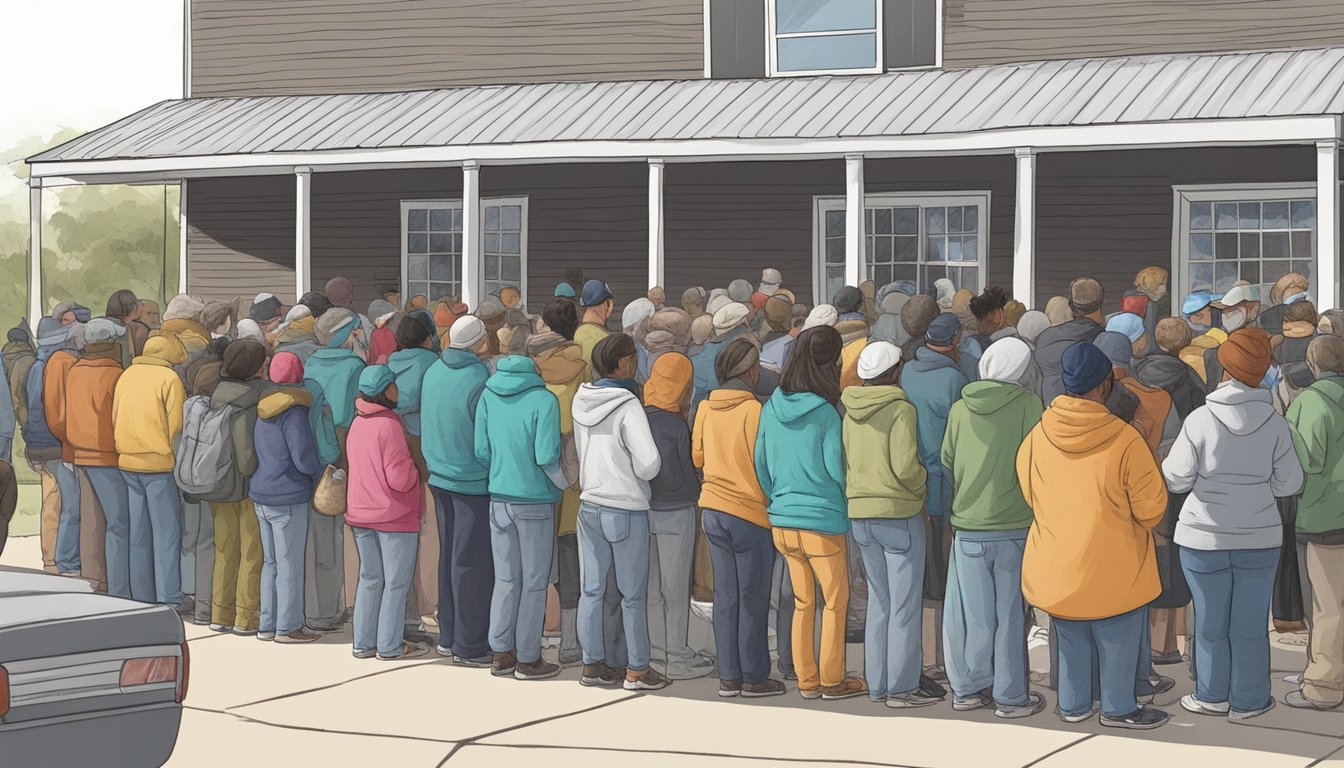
x=205 y=454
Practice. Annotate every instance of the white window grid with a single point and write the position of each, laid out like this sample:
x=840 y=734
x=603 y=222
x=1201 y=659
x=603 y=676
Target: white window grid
x=504 y=246
x=772 y=51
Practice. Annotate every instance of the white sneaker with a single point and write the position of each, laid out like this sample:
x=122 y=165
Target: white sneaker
x=1192 y=704
x=1235 y=716
x=1079 y=717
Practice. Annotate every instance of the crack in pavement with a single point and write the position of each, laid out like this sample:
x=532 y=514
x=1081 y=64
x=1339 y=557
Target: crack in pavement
x=332 y=685
x=312 y=729
x=1057 y=750
x=688 y=753
x=538 y=721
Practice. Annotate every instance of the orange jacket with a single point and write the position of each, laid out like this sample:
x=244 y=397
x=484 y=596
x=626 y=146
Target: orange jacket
x=724 y=444
x=90 y=386
x=54 y=398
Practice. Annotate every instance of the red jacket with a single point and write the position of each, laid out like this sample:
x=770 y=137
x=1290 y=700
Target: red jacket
x=383 y=491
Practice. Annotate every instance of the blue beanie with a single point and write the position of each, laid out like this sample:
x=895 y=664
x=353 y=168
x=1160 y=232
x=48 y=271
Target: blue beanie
x=1116 y=347
x=1085 y=366
x=375 y=380
x=943 y=330
x=564 y=291
x=594 y=292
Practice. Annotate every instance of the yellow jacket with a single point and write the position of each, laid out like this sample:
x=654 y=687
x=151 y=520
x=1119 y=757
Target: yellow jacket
x=1193 y=355
x=586 y=336
x=147 y=407
x=849 y=363
x=1097 y=493
x=723 y=443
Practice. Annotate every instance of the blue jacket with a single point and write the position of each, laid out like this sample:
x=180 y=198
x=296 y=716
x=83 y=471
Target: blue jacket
x=933 y=382
x=800 y=463
x=449 y=400
x=337 y=371
x=287 y=464
x=35 y=431
x=409 y=366
x=322 y=423
x=518 y=432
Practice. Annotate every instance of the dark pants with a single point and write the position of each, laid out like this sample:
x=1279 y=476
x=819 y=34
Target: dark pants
x=9 y=500
x=743 y=558
x=567 y=581
x=466 y=572
x=783 y=614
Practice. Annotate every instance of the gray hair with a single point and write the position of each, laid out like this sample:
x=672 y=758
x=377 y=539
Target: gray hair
x=1326 y=354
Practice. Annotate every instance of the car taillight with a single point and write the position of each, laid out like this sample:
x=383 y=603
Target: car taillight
x=153 y=669
x=184 y=671
x=4 y=691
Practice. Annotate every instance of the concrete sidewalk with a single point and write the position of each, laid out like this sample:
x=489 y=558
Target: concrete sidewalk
x=251 y=701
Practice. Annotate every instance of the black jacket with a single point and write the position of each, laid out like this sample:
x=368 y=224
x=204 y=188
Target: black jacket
x=677 y=485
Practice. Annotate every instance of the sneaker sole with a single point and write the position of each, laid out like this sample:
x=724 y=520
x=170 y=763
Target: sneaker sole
x=810 y=695
x=843 y=696
x=359 y=655
x=896 y=704
x=1017 y=714
x=502 y=672
x=461 y=662
x=543 y=676
x=641 y=687
x=970 y=707
x=1202 y=711
x=1075 y=719
x=765 y=695
x=597 y=682
x=1109 y=723
x=729 y=694
x=290 y=641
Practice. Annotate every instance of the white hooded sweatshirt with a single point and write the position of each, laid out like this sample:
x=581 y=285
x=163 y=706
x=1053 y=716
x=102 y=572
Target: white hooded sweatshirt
x=617 y=455
x=1234 y=455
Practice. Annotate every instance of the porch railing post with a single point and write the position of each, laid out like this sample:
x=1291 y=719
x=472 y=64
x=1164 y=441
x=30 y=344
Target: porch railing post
x=472 y=265
x=655 y=222
x=1024 y=229
x=36 y=307
x=855 y=215
x=1326 y=277
x=182 y=263
x=303 y=264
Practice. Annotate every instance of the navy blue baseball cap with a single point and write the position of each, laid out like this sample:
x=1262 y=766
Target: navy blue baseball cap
x=594 y=292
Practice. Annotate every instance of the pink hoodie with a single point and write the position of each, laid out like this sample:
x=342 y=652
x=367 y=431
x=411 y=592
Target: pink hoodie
x=384 y=486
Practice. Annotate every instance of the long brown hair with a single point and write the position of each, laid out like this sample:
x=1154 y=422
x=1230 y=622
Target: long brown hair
x=813 y=364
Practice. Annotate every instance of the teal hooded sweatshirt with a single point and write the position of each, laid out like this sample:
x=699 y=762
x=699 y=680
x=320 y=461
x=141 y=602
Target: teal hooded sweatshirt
x=409 y=366
x=518 y=433
x=449 y=399
x=337 y=371
x=800 y=463
x=985 y=428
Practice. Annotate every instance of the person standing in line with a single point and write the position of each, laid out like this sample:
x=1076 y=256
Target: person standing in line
x=801 y=467
x=984 y=629
x=597 y=304
x=1094 y=573
x=517 y=435
x=282 y=491
x=885 y=490
x=1084 y=305
x=146 y=421
x=331 y=565
x=383 y=509
x=235 y=588
x=1316 y=418
x=723 y=445
x=50 y=389
x=617 y=459
x=1229 y=542
x=90 y=386
x=674 y=491
x=458 y=481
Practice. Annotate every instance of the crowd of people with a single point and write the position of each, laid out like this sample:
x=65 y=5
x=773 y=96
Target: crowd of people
x=931 y=474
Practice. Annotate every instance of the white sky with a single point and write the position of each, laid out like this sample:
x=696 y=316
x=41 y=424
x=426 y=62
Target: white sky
x=85 y=63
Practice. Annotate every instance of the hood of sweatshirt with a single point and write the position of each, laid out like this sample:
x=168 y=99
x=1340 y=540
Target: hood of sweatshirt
x=928 y=360
x=1075 y=425
x=1240 y=408
x=16 y=349
x=723 y=399
x=239 y=394
x=593 y=405
x=985 y=397
x=405 y=360
x=514 y=374
x=561 y=363
x=1161 y=370
x=460 y=358
x=793 y=406
x=276 y=401
x=862 y=403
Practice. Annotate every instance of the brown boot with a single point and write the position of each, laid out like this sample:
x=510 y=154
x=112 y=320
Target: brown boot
x=504 y=664
x=848 y=689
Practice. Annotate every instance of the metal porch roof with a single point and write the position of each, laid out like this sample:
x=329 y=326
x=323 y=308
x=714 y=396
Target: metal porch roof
x=1139 y=89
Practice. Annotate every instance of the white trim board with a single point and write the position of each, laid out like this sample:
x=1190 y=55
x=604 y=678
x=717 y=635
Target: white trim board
x=455 y=204
x=1067 y=138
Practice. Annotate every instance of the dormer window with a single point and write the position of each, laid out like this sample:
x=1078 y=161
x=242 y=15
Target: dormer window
x=825 y=36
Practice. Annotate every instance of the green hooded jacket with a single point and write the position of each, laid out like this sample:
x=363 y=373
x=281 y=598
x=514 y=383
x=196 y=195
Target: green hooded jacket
x=984 y=430
x=449 y=398
x=883 y=475
x=518 y=433
x=1316 y=417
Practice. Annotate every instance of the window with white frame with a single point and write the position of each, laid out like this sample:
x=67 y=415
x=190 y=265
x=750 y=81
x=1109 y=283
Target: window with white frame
x=1256 y=234
x=816 y=36
x=432 y=246
x=917 y=238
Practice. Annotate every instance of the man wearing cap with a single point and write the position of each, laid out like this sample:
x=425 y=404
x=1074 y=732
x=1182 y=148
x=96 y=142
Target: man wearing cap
x=1238 y=308
x=331 y=565
x=1235 y=457
x=597 y=305
x=984 y=631
x=267 y=312
x=1096 y=493
x=1198 y=310
x=730 y=321
x=457 y=480
x=1085 y=300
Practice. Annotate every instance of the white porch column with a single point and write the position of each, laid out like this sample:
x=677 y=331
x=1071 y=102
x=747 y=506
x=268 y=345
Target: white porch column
x=36 y=308
x=181 y=238
x=855 y=215
x=1024 y=229
x=1326 y=277
x=472 y=259
x=655 y=222
x=303 y=262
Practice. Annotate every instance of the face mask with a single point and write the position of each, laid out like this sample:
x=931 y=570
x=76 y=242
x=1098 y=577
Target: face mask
x=1233 y=319
x=1196 y=328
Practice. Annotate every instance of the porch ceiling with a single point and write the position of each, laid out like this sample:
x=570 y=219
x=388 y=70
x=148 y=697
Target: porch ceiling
x=685 y=117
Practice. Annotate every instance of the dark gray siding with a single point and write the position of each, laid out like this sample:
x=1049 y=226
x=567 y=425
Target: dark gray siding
x=911 y=32
x=257 y=47
x=737 y=38
x=979 y=32
x=240 y=237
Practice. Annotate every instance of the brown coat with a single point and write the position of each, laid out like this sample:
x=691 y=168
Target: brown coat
x=54 y=398
x=1151 y=417
x=90 y=385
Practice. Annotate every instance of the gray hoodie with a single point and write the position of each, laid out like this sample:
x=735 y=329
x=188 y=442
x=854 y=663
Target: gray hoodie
x=617 y=454
x=1234 y=456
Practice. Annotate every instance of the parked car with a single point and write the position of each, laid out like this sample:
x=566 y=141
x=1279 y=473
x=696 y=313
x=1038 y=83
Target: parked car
x=86 y=679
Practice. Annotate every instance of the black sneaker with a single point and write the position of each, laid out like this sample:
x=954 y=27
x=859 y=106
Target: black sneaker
x=930 y=688
x=651 y=680
x=600 y=675
x=1141 y=719
x=767 y=687
x=536 y=670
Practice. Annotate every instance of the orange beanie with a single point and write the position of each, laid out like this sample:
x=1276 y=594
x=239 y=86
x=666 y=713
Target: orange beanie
x=669 y=382
x=1246 y=355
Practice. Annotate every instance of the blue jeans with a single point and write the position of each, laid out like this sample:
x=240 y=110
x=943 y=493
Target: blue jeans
x=284 y=535
x=1111 y=645
x=1231 y=591
x=616 y=540
x=522 y=538
x=386 y=564
x=984 y=621
x=466 y=572
x=67 y=532
x=110 y=488
x=743 y=556
x=893 y=559
x=198 y=554
x=156 y=535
